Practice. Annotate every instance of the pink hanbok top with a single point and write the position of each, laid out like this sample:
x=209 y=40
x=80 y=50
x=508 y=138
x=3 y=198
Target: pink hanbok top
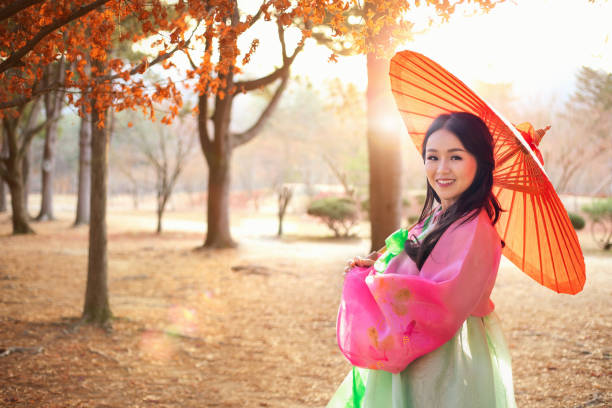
x=386 y=320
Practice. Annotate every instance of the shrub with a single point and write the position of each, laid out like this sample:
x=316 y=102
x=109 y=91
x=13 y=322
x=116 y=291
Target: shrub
x=338 y=213
x=577 y=221
x=365 y=205
x=600 y=212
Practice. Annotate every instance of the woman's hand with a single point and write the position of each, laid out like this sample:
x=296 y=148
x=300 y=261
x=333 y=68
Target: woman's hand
x=361 y=262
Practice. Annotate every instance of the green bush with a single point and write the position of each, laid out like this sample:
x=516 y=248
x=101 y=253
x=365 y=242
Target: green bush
x=420 y=198
x=600 y=213
x=599 y=210
x=365 y=205
x=338 y=213
x=577 y=221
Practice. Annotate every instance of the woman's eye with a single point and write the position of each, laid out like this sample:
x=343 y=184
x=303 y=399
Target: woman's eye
x=432 y=158
x=456 y=158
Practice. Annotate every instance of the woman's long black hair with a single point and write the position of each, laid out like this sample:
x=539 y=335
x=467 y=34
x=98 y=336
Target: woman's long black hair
x=476 y=138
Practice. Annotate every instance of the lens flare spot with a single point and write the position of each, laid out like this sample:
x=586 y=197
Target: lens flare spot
x=157 y=346
x=183 y=321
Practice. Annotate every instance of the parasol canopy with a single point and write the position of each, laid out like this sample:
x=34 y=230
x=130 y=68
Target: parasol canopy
x=539 y=237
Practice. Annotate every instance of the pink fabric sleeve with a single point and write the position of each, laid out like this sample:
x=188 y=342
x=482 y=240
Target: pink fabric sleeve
x=385 y=321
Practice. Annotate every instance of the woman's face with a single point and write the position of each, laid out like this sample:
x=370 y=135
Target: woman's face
x=449 y=166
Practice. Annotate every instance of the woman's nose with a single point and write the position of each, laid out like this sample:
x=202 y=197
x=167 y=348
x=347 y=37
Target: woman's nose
x=443 y=166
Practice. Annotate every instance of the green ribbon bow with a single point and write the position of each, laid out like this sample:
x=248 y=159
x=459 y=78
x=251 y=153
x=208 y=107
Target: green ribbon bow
x=395 y=244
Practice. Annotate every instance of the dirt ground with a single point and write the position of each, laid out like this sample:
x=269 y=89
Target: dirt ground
x=247 y=327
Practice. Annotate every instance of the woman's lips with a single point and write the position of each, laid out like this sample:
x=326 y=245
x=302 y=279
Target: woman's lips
x=445 y=182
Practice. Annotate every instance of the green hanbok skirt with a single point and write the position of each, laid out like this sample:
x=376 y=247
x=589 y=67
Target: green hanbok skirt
x=471 y=370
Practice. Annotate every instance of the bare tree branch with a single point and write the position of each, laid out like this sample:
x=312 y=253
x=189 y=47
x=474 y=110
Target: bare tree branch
x=242 y=138
x=245 y=86
x=143 y=66
x=249 y=85
x=193 y=65
x=342 y=177
x=283 y=74
x=30 y=133
x=281 y=38
x=264 y=5
x=146 y=149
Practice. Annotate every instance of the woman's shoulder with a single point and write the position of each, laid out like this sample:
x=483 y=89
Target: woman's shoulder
x=477 y=222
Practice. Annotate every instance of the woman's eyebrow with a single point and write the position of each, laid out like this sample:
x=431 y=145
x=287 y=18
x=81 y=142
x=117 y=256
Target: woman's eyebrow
x=455 y=149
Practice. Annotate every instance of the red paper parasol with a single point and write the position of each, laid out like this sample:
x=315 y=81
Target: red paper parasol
x=539 y=236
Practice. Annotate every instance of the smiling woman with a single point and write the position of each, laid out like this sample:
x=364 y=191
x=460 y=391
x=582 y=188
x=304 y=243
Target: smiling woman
x=417 y=324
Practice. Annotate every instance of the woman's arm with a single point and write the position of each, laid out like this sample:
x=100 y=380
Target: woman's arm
x=385 y=321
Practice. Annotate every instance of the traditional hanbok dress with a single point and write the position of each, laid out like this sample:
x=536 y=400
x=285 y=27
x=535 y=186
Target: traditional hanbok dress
x=426 y=338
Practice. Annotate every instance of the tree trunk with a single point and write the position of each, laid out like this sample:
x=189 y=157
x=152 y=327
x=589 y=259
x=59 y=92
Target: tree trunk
x=284 y=196
x=218 y=234
x=3 y=155
x=384 y=147
x=160 y=212
x=20 y=216
x=84 y=188
x=135 y=196
x=46 y=205
x=53 y=106
x=12 y=168
x=162 y=199
x=97 y=309
x=25 y=174
x=218 y=153
x=279 y=233
x=2 y=196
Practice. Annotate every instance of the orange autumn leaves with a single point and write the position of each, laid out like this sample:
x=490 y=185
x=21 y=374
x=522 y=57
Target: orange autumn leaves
x=88 y=44
x=207 y=32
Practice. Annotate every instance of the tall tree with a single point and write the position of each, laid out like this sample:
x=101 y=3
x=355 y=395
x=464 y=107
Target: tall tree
x=375 y=28
x=284 y=196
x=166 y=149
x=96 y=308
x=105 y=94
x=53 y=101
x=219 y=83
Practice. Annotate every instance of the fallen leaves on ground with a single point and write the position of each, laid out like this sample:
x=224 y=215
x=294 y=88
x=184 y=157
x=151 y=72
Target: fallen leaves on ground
x=252 y=326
